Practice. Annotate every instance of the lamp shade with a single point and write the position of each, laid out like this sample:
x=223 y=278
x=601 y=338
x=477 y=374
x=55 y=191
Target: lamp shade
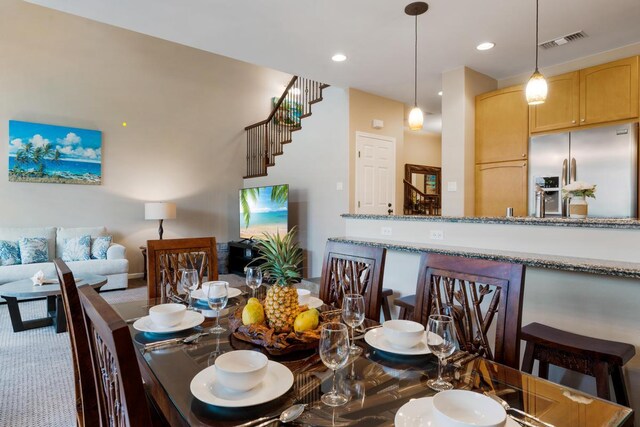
x=159 y=210
x=416 y=118
x=536 y=90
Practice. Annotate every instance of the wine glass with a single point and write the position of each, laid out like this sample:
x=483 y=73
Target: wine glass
x=334 y=352
x=254 y=279
x=441 y=342
x=353 y=315
x=217 y=298
x=189 y=282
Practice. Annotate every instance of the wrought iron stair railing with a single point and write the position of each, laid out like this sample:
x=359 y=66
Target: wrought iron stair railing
x=265 y=139
x=418 y=203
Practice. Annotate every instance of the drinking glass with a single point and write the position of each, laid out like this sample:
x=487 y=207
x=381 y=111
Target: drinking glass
x=189 y=282
x=254 y=279
x=334 y=352
x=441 y=342
x=217 y=298
x=353 y=315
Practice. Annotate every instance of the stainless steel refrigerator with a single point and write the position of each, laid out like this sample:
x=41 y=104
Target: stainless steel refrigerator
x=605 y=156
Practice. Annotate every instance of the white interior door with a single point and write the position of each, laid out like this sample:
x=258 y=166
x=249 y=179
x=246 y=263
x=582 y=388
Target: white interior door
x=375 y=173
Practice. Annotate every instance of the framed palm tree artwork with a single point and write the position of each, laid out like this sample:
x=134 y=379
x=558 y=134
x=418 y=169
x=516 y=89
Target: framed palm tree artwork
x=54 y=154
x=288 y=114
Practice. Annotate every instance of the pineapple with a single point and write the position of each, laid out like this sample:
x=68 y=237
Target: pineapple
x=281 y=257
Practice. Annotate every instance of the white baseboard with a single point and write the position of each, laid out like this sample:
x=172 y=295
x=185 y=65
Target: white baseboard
x=135 y=275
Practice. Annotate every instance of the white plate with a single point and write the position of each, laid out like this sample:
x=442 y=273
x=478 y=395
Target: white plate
x=314 y=302
x=419 y=413
x=376 y=339
x=191 y=319
x=277 y=382
x=200 y=295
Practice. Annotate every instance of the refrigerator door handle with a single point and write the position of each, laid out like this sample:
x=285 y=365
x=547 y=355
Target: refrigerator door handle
x=573 y=169
x=565 y=172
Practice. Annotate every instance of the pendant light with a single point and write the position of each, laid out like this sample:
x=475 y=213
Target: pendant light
x=416 y=117
x=536 y=90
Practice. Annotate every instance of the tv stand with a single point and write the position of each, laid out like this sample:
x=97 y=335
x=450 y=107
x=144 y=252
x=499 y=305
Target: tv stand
x=241 y=254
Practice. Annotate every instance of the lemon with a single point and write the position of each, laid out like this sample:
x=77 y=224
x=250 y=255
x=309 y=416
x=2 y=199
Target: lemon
x=252 y=313
x=306 y=320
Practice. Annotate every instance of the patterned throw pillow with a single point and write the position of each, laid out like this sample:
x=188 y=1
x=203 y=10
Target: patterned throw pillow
x=9 y=253
x=34 y=250
x=99 y=246
x=77 y=249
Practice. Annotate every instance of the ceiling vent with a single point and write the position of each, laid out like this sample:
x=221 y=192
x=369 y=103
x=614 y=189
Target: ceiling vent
x=563 y=40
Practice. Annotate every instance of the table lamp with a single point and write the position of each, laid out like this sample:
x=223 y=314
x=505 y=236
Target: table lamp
x=160 y=211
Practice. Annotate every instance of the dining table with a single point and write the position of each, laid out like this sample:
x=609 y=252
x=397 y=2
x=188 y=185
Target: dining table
x=378 y=383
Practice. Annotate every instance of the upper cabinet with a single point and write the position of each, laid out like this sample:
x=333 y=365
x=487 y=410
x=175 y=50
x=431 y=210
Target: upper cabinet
x=501 y=125
x=596 y=95
x=562 y=107
x=609 y=92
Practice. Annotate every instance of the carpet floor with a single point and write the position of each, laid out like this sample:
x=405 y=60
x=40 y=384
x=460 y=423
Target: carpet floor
x=36 y=377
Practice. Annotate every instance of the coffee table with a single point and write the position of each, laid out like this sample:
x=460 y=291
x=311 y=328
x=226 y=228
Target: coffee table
x=24 y=289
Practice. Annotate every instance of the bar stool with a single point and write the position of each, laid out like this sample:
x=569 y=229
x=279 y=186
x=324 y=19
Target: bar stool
x=386 y=307
x=586 y=355
x=407 y=305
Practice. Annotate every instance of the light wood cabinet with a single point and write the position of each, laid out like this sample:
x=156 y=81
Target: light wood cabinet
x=502 y=130
x=499 y=186
x=561 y=109
x=609 y=92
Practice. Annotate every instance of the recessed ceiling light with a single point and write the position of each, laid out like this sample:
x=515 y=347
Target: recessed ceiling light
x=485 y=46
x=339 y=57
x=440 y=93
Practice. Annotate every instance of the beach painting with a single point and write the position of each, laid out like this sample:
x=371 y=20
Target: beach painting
x=54 y=154
x=264 y=209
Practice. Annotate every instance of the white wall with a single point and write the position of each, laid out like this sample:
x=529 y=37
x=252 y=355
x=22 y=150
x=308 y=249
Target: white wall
x=186 y=110
x=313 y=165
x=422 y=148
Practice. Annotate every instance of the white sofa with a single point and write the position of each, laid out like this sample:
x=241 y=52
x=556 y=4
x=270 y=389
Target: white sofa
x=115 y=267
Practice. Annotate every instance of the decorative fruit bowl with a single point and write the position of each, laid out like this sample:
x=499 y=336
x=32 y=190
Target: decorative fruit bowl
x=276 y=343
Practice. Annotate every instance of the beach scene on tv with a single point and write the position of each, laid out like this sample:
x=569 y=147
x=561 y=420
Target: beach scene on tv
x=54 y=154
x=264 y=209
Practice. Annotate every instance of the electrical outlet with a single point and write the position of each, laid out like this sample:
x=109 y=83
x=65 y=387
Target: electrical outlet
x=385 y=231
x=436 y=235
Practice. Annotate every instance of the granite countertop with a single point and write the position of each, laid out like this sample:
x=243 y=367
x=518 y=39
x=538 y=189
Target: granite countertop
x=555 y=262
x=615 y=223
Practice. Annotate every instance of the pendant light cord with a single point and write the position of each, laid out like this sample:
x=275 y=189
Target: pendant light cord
x=415 y=72
x=537 y=11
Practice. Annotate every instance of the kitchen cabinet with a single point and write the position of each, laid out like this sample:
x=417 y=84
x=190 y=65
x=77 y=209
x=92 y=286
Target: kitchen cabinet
x=502 y=129
x=499 y=186
x=609 y=92
x=561 y=110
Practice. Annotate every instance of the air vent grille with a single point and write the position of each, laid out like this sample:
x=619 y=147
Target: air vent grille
x=563 y=40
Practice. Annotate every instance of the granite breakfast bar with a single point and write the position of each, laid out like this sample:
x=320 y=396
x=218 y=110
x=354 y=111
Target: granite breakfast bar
x=582 y=276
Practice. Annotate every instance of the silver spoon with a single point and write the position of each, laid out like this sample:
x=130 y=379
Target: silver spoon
x=508 y=408
x=288 y=415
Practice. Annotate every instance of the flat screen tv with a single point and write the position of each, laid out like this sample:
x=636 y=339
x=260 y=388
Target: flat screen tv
x=264 y=209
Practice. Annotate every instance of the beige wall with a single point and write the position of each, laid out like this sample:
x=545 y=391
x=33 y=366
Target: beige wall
x=185 y=109
x=314 y=165
x=421 y=148
x=363 y=108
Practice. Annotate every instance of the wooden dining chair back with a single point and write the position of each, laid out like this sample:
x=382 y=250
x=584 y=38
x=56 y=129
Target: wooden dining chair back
x=172 y=255
x=87 y=412
x=121 y=394
x=351 y=268
x=478 y=293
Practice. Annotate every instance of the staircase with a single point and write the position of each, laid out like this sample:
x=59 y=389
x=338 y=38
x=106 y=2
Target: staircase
x=266 y=139
x=418 y=203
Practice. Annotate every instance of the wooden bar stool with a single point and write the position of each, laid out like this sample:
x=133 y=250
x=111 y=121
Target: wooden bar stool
x=386 y=307
x=586 y=355
x=407 y=305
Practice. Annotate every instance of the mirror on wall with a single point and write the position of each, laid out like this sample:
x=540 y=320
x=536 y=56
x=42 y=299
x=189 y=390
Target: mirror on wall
x=422 y=192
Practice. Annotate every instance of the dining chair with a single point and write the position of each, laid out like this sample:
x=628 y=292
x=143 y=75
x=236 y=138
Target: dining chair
x=87 y=411
x=120 y=391
x=352 y=268
x=171 y=255
x=478 y=293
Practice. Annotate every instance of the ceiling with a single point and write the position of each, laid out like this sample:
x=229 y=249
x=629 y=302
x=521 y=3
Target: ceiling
x=300 y=36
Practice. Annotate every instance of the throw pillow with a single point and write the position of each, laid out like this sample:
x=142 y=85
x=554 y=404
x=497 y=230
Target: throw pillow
x=77 y=249
x=33 y=250
x=99 y=246
x=9 y=253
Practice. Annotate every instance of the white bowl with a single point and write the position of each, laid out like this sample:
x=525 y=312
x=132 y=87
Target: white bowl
x=207 y=285
x=463 y=408
x=167 y=315
x=303 y=296
x=403 y=333
x=241 y=370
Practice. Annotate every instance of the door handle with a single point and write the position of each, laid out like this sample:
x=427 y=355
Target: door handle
x=565 y=177
x=573 y=169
